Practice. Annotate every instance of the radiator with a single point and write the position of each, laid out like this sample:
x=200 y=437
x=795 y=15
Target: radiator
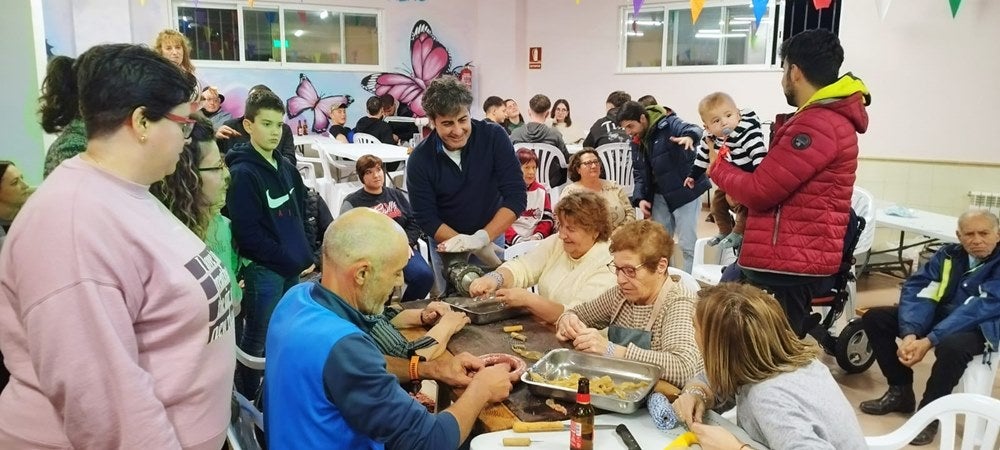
x=989 y=201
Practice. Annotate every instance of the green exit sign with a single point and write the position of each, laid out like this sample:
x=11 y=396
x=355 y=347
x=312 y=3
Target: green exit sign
x=278 y=42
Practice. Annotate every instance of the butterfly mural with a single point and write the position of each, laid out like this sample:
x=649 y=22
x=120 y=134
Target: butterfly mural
x=306 y=98
x=429 y=59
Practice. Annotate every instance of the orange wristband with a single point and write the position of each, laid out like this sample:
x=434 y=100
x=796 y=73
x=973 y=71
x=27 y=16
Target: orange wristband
x=414 y=376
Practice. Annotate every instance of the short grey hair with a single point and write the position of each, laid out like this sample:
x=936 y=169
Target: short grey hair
x=446 y=96
x=974 y=213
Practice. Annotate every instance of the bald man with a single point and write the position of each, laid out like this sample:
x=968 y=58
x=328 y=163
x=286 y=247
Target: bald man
x=952 y=304
x=327 y=385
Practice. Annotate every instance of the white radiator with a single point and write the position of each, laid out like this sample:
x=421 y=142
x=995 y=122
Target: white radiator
x=989 y=201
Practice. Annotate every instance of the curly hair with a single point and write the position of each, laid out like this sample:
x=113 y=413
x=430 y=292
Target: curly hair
x=58 y=104
x=646 y=238
x=180 y=191
x=446 y=96
x=588 y=210
x=746 y=338
x=170 y=35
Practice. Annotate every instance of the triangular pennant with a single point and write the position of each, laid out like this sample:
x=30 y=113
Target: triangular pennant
x=883 y=7
x=759 y=9
x=250 y=2
x=696 y=6
x=822 y=4
x=636 y=6
x=954 y=7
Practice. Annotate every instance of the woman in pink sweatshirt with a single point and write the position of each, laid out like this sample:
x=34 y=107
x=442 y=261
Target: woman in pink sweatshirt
x=115 y=319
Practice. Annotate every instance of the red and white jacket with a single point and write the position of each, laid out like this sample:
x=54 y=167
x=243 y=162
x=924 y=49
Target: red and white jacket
x=537 y=218
x=799 y=198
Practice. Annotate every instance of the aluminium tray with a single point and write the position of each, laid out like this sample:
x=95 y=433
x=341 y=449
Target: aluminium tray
x=483 y=311
x=562 y=362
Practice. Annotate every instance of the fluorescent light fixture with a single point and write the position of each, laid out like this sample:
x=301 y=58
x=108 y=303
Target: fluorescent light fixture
x=646 y=23
x=634 y=34
x=299 y=33
x=719 y=35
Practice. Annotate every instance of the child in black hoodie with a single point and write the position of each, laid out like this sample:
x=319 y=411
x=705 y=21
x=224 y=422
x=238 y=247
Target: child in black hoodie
x=266 y=203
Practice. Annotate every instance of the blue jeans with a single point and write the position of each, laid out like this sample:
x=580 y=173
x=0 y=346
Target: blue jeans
x=418 y=277
x=683 y=222
x=263 y=289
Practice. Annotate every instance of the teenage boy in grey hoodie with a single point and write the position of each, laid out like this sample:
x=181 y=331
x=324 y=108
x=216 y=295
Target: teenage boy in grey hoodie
x=536 y=131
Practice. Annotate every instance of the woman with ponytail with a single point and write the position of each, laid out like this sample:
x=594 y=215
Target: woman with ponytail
x=60 y=113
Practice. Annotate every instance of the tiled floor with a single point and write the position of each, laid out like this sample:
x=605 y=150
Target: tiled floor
x=873 y=290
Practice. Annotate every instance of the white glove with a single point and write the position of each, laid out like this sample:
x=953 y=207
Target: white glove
x=465 y=242
x=488 y=256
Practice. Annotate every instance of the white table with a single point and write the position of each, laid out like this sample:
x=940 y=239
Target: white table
x=933 y=226
x=385 y=152
x=639 y=424
x=573 y=148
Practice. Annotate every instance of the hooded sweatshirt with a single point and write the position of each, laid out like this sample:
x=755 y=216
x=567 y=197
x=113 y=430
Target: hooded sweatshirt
x=799 y=198
x=266 y=205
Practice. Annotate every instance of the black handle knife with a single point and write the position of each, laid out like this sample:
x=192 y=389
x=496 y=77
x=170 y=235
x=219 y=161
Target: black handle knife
x=627 y=437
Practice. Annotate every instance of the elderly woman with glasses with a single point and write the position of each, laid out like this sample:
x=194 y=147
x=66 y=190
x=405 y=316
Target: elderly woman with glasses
x=585 y=173
x=568 y=268
x=648 y=314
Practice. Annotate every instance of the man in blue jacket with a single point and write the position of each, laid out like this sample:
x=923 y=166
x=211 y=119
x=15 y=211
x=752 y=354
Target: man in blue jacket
x=464 y=181
x=327 y=386
x=662 y=150
x=266 y=202
x=952 y=304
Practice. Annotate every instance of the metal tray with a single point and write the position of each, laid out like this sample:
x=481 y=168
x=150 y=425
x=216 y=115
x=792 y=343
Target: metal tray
x=563 y=362
x=483 y=311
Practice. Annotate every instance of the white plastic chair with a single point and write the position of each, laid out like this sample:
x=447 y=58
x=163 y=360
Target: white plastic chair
x=338 y=192
x=978 y=379
x=308 y=172
x=547 y=156
x=946 y=409
x=708 y=262
x=687 y=280
x=519 y=249
x=617 y=161
x=365 y=138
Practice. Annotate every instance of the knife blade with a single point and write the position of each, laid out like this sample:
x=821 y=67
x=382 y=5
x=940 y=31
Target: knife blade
x=534 y=427
x=627 y=437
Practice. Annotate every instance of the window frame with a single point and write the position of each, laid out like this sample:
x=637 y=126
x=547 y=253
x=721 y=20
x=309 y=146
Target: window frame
x=770 y=64
x=281 y=8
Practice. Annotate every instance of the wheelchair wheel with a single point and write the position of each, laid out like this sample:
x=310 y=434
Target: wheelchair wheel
x=854 y=352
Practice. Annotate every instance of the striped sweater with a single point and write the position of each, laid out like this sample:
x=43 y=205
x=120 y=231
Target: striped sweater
x=747 y=149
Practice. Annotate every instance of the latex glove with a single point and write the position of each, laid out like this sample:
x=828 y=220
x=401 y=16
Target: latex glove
x=465 y=242
x=488 y=255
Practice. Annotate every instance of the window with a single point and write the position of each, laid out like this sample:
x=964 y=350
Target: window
x=277 y=36
x=662 y=37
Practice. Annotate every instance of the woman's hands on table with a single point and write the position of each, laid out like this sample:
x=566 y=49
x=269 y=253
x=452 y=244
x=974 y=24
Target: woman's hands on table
x=516 y=297
x=591 y=341
x=434 y=311
x=689 y=408
x=453 y=321
x=569 y=326
x=713 y=437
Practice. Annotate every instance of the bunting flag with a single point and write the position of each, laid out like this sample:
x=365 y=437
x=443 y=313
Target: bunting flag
x=759 y=9
x=883 y=7
x=636 y=6
x=696 y=6
x=250 y=2
x=822 y=4
x=954 y=7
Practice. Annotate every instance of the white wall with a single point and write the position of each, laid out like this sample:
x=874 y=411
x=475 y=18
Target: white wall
x=22 y=134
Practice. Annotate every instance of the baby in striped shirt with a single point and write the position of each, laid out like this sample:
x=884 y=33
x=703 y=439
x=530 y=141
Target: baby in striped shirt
x=727 y=126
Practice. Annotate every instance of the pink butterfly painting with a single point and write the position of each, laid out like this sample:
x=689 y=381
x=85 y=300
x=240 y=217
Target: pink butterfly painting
x=307 y=98
x=429 y=59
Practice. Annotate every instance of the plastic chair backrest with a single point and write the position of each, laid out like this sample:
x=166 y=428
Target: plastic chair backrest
x=547 y=156
x=687 y=280
x=864 y=206
x=519 y=249
x=365 y=138
x=946 y=409
x=617 y=161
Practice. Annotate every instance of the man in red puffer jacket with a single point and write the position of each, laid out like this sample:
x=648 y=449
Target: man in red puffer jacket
x=799 y=198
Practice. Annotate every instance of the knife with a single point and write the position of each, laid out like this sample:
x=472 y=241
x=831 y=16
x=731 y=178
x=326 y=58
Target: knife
x=531 y=427
x=627 y=437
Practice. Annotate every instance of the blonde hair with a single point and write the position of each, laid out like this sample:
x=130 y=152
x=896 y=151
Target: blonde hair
x=167 y=36
x=713 y=100
x=745 y=338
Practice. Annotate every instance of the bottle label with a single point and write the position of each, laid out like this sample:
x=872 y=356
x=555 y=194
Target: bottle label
x=575 y=435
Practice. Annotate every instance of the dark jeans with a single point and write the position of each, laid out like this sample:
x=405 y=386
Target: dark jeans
x=794 y=293
x=263 y=290
x=952 y=353
x=418 y=277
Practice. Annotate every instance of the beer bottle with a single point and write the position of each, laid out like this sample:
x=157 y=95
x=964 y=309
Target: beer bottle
x=581 y=419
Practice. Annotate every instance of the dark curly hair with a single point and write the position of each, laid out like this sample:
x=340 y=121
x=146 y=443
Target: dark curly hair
x=180 y=191
x=817 y=53
x=575 y=162
x=58 y=104
x=587 y=210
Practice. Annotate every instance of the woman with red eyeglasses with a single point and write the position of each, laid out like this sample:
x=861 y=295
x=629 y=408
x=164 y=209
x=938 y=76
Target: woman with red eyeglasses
x=648 y=314
x=115 y=319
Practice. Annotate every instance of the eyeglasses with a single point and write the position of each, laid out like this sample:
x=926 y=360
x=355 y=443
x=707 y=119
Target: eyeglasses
x=629 y=271
x=221 y=166
x=590 y=163
x=187 y=125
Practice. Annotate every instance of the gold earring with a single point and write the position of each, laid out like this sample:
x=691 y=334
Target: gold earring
x=142 y=139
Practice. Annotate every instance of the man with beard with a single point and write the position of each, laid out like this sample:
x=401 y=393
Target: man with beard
x=799 y=199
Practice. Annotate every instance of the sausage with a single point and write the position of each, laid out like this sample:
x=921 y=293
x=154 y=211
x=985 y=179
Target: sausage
x=517 y=365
